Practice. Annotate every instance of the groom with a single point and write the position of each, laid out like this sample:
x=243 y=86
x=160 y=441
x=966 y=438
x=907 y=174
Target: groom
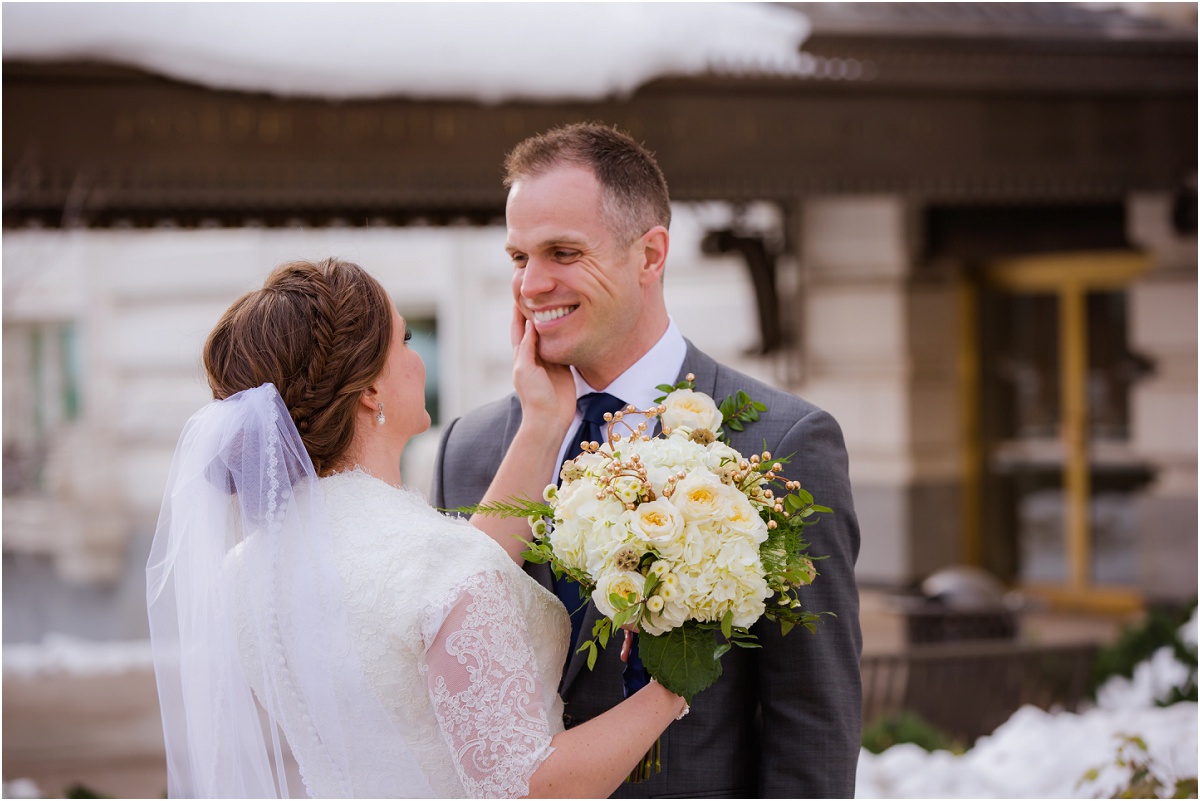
x=587 y=218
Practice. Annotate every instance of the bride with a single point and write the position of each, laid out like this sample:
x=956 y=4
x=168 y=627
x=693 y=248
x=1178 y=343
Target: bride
x=310 y=615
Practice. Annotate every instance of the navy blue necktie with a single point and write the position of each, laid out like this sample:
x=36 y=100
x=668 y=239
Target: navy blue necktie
x=593 y=428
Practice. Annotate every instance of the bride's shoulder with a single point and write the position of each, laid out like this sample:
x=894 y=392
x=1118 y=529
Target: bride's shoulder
x=362 y=507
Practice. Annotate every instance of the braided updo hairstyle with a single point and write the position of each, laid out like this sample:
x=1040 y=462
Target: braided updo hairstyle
x=319 y=332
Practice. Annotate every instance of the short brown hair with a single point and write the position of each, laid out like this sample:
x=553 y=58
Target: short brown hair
x=319 y=332
x=635 y=189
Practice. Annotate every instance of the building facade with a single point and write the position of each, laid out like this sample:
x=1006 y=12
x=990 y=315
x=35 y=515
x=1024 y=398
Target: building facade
x=971 y=238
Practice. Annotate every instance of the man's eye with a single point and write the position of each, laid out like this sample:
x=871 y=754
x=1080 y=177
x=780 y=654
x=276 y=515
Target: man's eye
x=518 y=259
x=565 y=255
x=407 y=334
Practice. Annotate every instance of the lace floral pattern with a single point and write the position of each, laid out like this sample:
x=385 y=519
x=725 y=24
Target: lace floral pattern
x=464 y=649
x=484 y=681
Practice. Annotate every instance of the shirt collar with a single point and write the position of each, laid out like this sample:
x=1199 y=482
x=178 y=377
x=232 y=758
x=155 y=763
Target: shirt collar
x=638 y=384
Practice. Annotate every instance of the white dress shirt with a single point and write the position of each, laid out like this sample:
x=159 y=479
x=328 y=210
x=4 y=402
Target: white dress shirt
x=637 y=385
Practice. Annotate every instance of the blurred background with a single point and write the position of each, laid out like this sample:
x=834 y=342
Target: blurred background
x=968 y=230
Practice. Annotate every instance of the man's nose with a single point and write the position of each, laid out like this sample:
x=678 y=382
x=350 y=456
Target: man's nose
x=536 y=279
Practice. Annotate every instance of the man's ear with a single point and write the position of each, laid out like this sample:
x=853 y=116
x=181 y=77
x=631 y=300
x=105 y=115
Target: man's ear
x=655 y=244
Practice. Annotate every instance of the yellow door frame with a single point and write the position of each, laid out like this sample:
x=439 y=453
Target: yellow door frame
x=1069 y=276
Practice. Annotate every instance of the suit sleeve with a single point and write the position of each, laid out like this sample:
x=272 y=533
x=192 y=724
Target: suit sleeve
x=438 y=491
x=810 y=687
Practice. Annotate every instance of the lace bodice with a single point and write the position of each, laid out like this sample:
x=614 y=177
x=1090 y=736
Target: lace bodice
x=464 y=649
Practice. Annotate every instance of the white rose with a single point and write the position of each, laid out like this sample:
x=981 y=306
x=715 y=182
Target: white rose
x=657 y=522
x=691 y=409
x=702 y=496
x=621 y=582
x=744 y=519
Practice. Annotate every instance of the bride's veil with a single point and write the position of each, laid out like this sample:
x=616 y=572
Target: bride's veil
x=252 y=646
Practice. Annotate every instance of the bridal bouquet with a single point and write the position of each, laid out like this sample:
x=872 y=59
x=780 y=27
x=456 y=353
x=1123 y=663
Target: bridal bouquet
x=679 y=534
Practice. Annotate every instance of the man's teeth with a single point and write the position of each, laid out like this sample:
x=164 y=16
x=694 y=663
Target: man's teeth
x=553 y=314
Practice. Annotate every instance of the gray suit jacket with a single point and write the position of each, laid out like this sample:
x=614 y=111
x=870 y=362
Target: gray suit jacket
x=783 y=720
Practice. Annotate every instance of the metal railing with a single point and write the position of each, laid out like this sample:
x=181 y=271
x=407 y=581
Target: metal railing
x=967 y=689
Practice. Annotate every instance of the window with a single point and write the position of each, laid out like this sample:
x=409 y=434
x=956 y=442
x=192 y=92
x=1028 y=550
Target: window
x=41 y=394
x=1055 y=474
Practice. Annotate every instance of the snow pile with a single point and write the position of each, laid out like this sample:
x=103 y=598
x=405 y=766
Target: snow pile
x=22 y=788
x=1038 y=754
x=480 y=51
x=60 y=653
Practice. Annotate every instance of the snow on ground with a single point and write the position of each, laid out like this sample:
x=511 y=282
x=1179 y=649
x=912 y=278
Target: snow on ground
x=60 y=653
x=482 y=51
x=1038 y=754
x=1035 y=754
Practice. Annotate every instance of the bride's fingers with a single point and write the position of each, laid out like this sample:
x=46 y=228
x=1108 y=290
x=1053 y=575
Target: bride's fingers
x=527 y=347
x=626 y=646
x=518 y=328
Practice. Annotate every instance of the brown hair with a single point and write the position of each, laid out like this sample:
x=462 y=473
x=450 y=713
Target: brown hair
x=320 y=333
x=635 y=189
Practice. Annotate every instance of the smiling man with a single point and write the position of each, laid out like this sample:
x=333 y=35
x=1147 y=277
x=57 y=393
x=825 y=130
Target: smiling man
x=588 y=220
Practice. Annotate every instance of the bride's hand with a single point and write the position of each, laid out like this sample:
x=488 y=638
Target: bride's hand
x=547 y=391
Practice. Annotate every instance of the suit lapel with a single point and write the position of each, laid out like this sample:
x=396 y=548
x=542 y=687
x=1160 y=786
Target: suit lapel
x=703 y=368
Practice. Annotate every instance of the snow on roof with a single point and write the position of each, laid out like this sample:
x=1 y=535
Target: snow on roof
x=489 y=52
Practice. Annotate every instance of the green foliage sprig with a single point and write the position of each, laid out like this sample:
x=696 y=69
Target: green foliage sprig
x=739 y=410
x=1133 y=759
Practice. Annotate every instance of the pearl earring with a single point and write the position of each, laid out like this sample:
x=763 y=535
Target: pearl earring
x=379 y=418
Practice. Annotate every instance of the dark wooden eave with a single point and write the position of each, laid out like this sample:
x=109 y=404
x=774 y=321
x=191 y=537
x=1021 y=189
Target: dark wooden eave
x=1003 y=118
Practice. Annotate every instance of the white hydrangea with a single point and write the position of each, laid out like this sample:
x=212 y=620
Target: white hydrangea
x=702 y=538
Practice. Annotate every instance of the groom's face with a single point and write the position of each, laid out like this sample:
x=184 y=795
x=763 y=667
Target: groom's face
x=578 y=283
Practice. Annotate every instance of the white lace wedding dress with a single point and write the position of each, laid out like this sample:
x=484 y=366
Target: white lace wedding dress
x=464 y=648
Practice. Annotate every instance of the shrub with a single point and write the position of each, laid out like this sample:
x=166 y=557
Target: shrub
x=1139 y=643
x=907 y=727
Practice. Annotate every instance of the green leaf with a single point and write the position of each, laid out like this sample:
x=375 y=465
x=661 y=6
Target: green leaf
x=682 y=660
x=727 y=624
x=622 y=617
x=761 y=407
x=785 y=626
x=592 y=653
x=667 y=388
x=736 y=426
x=535 y=557
x=512 y=507
x=721 y=650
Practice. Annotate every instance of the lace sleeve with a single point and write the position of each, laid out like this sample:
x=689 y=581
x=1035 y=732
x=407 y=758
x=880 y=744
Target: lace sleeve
x=486 y=690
